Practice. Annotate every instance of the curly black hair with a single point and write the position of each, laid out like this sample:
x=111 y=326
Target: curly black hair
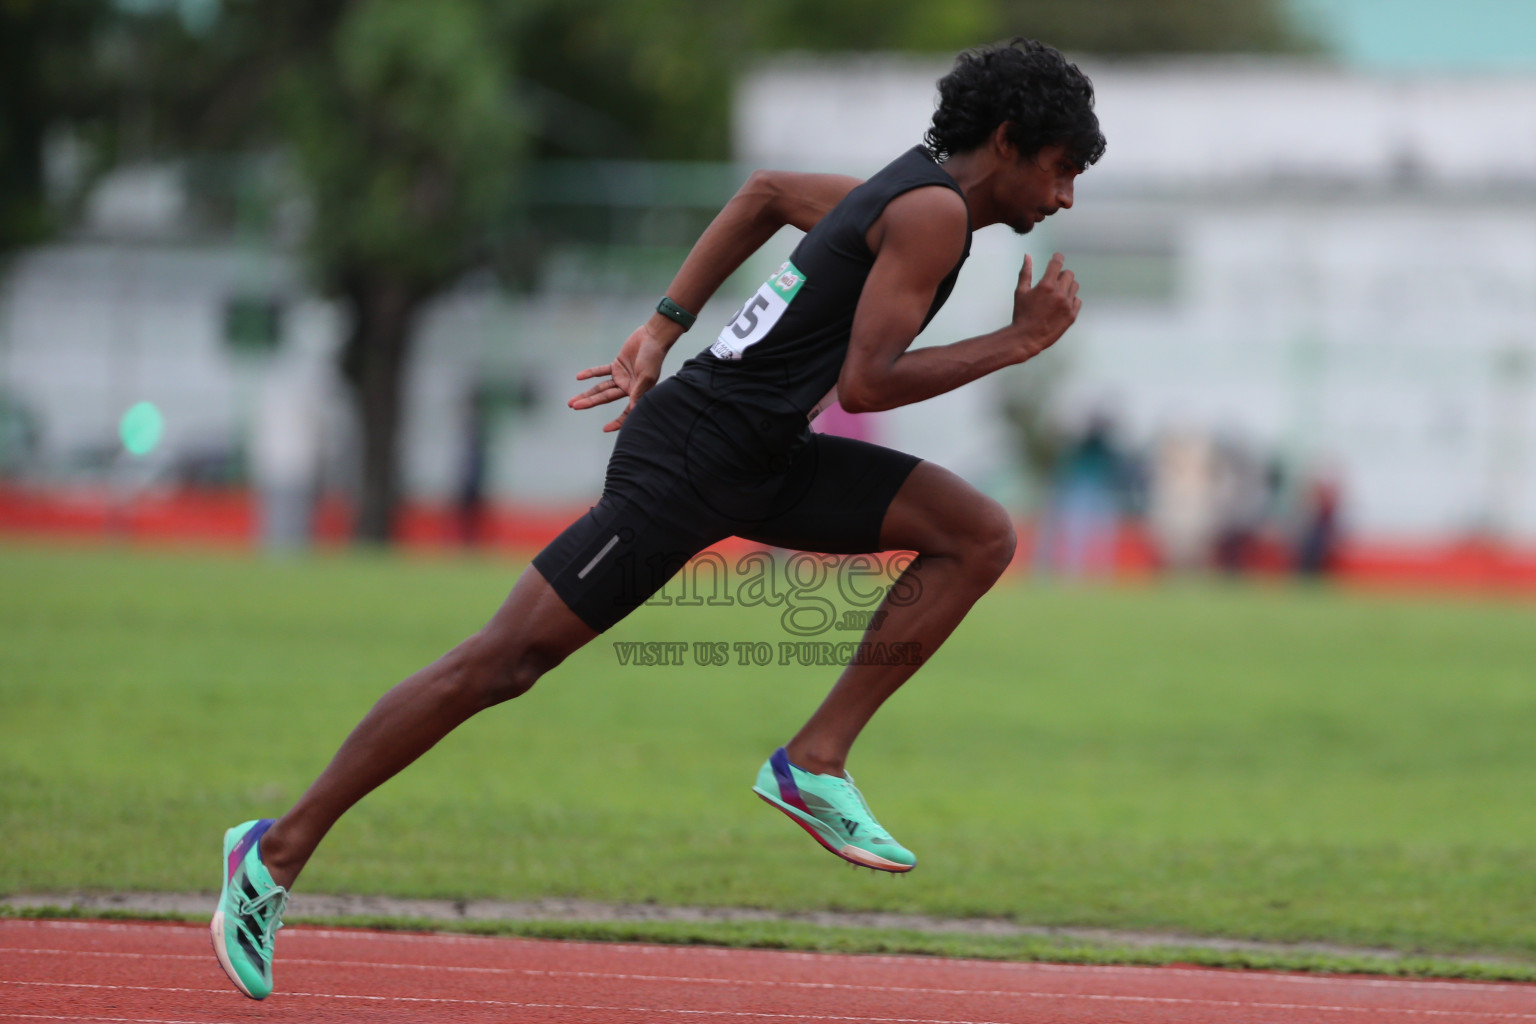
x=1042 y=97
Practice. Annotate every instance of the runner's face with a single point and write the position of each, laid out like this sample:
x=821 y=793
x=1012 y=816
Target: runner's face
x=1039 y=186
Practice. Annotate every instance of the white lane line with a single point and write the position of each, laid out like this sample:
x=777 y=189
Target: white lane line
x=509 y=1004
x=537 y=972
x=1043 y=996
x=123 y=1020
x=1464 y=987
x=551 y=1006
x=1010 y=966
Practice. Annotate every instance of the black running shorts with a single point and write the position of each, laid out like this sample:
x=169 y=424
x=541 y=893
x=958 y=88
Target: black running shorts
x=692 y=467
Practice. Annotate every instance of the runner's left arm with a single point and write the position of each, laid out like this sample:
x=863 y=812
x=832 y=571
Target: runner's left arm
x=768 y=201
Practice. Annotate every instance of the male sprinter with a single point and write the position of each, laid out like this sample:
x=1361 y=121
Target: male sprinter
x=724 y=447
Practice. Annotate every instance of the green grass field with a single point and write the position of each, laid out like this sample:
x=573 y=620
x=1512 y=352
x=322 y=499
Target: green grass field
x=1245 y=761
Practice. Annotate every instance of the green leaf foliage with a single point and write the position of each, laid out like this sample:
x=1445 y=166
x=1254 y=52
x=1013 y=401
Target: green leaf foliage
x=50 y=76
x=1130 y=27
x=406 y=128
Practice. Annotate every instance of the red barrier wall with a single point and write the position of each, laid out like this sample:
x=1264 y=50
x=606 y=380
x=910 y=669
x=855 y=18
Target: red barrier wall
x=229 y=518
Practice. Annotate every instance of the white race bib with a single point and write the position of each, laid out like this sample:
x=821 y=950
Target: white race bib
x=753 y=321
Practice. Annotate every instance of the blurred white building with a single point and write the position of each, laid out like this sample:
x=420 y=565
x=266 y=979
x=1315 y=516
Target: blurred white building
x=1338 y=267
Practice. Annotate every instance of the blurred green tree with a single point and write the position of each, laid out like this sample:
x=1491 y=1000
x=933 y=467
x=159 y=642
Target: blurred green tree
x=1081 y=26
x=407 y=130
x=409 y=124
x=1126 y=27
x=49 y=78
x=404 y=123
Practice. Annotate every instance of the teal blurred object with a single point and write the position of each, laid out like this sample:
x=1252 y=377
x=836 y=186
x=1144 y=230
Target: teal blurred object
x=1425 y=35
x=142 y=428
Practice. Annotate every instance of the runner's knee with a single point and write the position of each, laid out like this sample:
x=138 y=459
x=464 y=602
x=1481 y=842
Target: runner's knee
x=990 y=541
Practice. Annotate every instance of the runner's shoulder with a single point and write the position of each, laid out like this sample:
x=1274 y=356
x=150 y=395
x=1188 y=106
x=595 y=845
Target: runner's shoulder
x=926 y=217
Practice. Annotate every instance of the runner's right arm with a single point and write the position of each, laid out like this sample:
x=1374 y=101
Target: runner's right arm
x=917 y=241
x=768 y=201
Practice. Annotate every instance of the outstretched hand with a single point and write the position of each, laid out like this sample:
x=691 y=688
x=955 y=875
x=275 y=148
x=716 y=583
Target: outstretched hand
x=1043 y=312
x=632 y=373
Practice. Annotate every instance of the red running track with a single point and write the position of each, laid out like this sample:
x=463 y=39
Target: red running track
x=166 y=974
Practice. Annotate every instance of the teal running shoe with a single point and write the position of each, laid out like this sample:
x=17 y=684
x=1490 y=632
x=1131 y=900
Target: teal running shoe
x=250 y=911
x=833 y=811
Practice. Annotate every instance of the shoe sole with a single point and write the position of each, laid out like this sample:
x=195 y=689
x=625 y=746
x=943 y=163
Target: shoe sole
x=849 y=853
x=217 y=934
x=216 y=927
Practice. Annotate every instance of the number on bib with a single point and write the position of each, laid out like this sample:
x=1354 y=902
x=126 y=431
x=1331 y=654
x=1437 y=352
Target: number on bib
x=753 y=321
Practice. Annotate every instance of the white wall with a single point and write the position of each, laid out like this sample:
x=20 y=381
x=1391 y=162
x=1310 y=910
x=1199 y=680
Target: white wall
x=1352 y=263
x=89 y=329
x=1196 y=121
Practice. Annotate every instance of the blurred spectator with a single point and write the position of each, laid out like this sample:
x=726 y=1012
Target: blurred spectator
x=1181 y=503
x=1317 y=544
x=286 y=455
x=20 y=437
x=1242 y=494
x=469 y=502
x=1081 y=522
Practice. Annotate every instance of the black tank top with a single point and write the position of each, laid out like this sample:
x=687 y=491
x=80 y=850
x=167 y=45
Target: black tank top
x=782 y=352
